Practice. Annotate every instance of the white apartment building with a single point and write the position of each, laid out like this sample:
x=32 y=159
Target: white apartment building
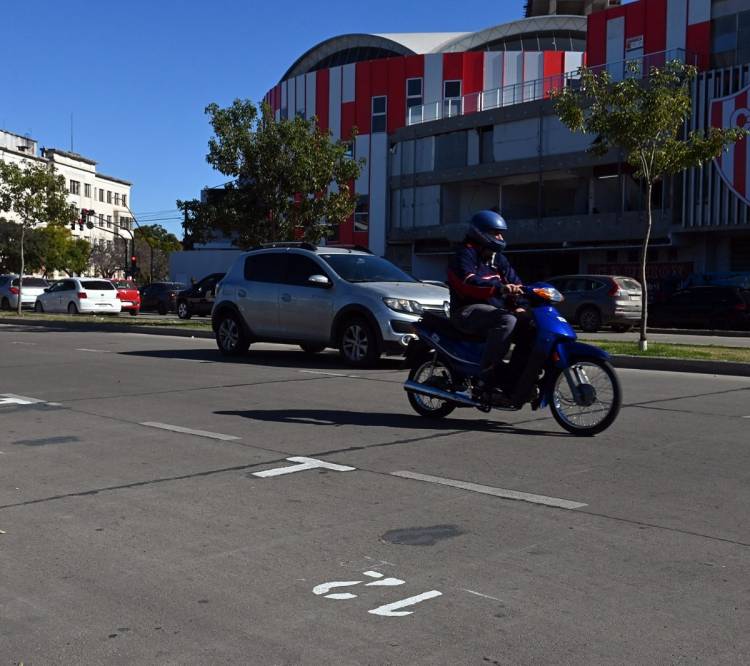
x=107 y=196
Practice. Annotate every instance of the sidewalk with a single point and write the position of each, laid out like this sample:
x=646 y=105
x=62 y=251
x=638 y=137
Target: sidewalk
x=632 y=362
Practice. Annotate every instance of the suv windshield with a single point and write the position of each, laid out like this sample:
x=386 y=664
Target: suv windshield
x=365 y=268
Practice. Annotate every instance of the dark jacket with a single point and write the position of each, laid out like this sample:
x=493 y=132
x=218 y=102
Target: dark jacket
x=472 y=280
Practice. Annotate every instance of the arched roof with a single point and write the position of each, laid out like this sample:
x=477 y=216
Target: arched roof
x=388 y=45
x=474 y=41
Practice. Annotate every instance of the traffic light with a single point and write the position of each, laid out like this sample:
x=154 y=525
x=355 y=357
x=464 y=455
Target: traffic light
x=133 y=263
x=89 y=214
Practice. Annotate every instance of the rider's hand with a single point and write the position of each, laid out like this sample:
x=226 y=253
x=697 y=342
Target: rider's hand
x=514 y=289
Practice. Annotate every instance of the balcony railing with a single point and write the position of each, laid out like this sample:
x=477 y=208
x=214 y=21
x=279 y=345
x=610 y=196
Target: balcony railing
x=530 y=91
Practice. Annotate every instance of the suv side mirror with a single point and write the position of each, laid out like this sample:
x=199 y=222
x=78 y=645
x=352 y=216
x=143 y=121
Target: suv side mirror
x=319 y=281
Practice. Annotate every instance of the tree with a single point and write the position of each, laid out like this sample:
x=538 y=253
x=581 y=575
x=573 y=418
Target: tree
x=153 y=245
x=645 y=118
x=290 y=180
x=35 y=195
x=78 y=257
x=108 y=258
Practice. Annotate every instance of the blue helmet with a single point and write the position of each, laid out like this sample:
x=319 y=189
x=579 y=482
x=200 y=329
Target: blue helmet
x=484 y=226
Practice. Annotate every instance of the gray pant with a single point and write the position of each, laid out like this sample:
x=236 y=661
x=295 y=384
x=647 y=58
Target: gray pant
x=496 y=324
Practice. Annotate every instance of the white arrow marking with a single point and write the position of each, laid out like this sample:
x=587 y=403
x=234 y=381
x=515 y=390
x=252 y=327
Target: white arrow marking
x=326 y=587
x=12 y=399
x=386 y=582
x=389 y=610
x=305 y=464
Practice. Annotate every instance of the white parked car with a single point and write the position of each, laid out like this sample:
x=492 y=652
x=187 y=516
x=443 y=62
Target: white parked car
x=31 y=288
x=85 y=295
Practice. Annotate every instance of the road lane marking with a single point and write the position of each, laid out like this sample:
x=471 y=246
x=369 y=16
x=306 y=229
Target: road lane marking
x=329 y=374
x=479 y=594
x=390 y=610
x=304 y=464
x=189 y=431
x=13 y=399
x=489 y=490
x=95 y=351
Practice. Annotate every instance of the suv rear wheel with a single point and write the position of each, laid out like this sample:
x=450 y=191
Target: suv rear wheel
x=183 y=311
x=590 y=320
x=231 y=337
x=358 y=343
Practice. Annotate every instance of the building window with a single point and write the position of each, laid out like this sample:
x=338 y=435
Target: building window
x=101 y=219
x=109 y=221
x=348 y=149
x=75 y=187
x=87 y=190
x=451 y=98
x=101 y=195
x=117 y=198
x=124 y=199
x=413 y=93
x=362 y=213
x=379 y=114
x=109 y=197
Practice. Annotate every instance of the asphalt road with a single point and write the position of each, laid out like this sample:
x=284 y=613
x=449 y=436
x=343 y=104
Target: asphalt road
x=125 y=543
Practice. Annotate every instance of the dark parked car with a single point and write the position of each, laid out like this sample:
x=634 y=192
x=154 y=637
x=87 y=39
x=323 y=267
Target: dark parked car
x=592 y=301
x=160 y=296
x=704 y=307
x=198 y=299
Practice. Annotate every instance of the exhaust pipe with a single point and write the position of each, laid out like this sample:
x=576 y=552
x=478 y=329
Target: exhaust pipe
x=434 y=392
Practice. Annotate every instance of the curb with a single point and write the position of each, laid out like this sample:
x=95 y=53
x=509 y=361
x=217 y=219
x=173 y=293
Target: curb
x=619 y=361
x=700 y=331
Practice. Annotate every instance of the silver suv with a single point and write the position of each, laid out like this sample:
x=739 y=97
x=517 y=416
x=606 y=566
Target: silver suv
x=320 y=297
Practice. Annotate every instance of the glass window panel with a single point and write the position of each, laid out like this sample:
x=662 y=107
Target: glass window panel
x=451 y=89
x=414 y=87
x=378 y=104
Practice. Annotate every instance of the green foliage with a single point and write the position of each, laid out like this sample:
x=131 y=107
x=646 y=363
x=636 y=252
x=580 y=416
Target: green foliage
x=645 y=119
x=281 y=173
x=153 y=245
x=78 y=257
x=108 y=258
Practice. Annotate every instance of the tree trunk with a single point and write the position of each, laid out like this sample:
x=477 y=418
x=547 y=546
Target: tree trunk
x=20 y=275
x=643 y=342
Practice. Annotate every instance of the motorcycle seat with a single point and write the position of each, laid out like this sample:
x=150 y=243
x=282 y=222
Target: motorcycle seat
x=446 y=328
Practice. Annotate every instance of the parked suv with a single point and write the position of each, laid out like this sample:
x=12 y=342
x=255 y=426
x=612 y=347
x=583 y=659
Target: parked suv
x=160 y=296
x=30 y=289
x=320 y=297
x=705 y=307
x=592 y=301
x=198 y=299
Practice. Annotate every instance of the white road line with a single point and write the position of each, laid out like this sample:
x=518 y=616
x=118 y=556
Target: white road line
x=390 y=610
x=497 y=492
x=95 y=351
x=304 y=464
x=329 y=374
x=188 y=431
x=479 y=594
x=13 y=399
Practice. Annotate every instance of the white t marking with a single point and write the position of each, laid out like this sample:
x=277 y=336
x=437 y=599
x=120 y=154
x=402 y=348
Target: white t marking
x=389 y=610
x=304 y=464
x=12 y=399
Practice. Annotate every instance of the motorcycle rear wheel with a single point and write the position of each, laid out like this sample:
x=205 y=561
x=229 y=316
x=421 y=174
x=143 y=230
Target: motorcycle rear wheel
x=603 y=397
x=433 y=374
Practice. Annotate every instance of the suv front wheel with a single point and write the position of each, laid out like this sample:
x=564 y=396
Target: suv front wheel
x=231 y=337
x=183 y=310
x=358 y=343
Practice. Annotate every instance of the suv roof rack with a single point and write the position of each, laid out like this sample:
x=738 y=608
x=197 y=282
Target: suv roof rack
x=303 y=245
x=358 y=248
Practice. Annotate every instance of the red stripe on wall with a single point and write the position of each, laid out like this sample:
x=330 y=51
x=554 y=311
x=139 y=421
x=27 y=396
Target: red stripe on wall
x=363 y=97
x=452 y=66
x=635 y=19
x=699 y=42
x=740 y=152
x=655 y=36
x=554 y=67
x=348 y=120
x=396 y=93
x=414 y=67
x=473 y=72
x=322 y=83
x=596 y=39
x=378 y=77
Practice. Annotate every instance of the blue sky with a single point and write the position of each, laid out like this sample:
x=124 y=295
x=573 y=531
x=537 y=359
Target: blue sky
x=137 y=75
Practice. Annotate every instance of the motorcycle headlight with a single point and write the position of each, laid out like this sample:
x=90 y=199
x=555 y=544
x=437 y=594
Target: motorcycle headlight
x=404 y=305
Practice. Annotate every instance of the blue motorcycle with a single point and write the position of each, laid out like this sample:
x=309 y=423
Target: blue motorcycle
x=576 y=380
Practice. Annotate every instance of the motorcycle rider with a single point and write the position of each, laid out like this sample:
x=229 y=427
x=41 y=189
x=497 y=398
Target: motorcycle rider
x=482 y=286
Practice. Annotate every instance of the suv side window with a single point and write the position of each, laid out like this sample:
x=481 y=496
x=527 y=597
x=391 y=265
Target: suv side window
x=267 y=267
x=300 y=268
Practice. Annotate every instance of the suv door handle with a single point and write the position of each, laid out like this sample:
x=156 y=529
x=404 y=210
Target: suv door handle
x=241 y=293
x=287 y=298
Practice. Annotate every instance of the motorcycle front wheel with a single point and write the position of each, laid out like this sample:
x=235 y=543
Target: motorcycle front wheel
x=432 y=374
x=595 y=403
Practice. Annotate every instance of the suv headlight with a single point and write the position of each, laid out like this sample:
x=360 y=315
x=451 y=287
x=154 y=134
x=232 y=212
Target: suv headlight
x=404 y=305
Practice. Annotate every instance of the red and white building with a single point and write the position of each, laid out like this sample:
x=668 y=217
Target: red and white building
x=451 y=123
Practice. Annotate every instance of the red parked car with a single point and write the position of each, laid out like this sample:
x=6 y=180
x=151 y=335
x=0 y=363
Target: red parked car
x=129 y=295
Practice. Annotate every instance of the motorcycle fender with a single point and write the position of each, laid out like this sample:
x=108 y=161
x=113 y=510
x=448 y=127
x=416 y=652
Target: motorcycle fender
x=416 y=353
x=570 y=352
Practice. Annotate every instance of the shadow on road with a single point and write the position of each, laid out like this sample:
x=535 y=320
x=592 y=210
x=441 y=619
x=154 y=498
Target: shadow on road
x=335 y=417
x=291 y=358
